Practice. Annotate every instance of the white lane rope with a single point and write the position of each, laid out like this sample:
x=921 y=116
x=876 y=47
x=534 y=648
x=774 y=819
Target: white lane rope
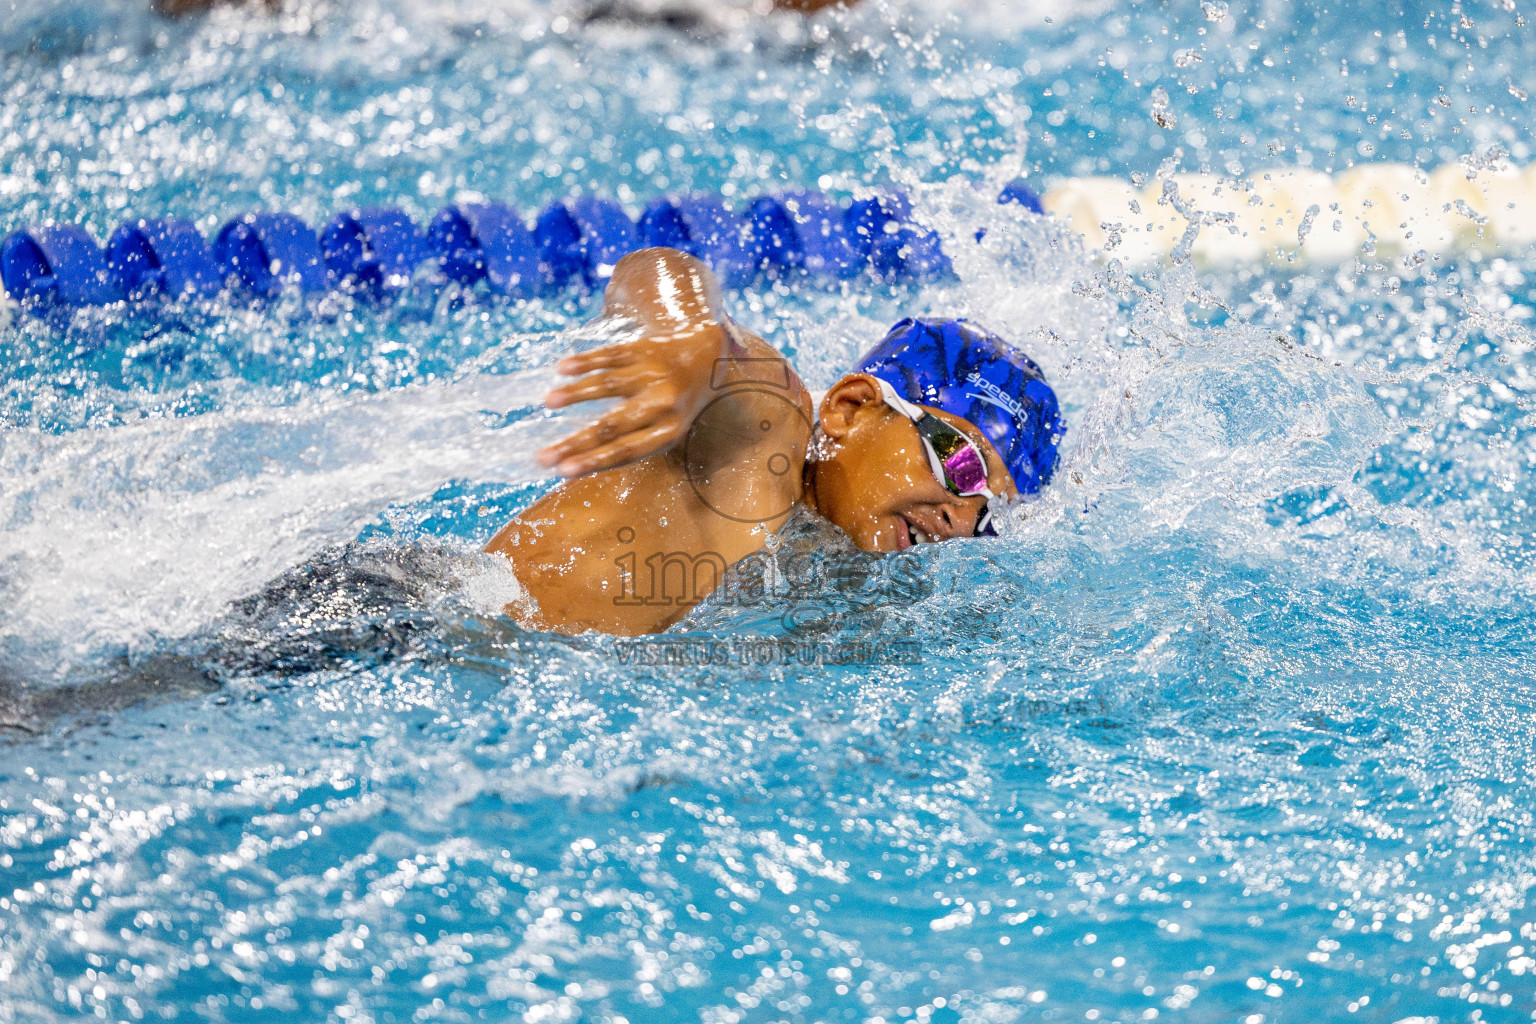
x=1297 y=214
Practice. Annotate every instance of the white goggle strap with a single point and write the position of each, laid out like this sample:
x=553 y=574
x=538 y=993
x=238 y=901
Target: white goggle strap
x=986 y=518
x=898 y=403
x=913 y=413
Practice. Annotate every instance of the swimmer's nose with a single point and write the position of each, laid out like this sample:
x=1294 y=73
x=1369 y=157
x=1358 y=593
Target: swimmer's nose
x=959 y=520
x=944 y=523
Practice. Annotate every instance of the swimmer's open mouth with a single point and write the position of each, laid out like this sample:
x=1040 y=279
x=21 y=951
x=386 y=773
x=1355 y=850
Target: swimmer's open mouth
x=914 y=534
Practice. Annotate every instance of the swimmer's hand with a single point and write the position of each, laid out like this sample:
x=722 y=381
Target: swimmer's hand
x=664 y=382
x=663 y=378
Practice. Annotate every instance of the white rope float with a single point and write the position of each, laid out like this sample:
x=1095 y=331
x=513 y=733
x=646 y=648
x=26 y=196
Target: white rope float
x=1377 y=209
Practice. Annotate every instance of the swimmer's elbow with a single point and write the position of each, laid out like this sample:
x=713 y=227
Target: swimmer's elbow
x=663 y=288
x=644 y=261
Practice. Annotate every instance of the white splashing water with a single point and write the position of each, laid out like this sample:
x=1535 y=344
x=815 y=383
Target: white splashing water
x=122 y=535
x=1150 y=671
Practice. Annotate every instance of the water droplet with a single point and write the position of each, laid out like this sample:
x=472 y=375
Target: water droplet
x=1160 y=112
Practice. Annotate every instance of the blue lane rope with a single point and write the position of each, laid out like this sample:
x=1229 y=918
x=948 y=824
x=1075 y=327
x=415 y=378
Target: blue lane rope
x=164 y=257
x=267 y=250
x=59 y=264
x=486 y=242
x=582 y=239
x=375 y=251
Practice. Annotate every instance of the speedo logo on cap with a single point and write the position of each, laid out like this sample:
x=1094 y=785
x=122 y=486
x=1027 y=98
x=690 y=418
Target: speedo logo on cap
x=994 y=395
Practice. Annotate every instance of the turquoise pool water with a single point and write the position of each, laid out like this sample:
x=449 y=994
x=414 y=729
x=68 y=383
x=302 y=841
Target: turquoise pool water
x=1235 y=723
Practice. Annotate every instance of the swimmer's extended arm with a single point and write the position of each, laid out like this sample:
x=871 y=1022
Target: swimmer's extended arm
x=665 y=378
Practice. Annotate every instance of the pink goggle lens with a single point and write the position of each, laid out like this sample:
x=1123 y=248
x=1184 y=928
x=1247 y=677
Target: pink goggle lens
x=965 y=470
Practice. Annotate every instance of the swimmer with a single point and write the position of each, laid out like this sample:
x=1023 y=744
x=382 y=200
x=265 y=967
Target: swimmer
x=180 y=8
x=698 y=15
x=811 y=6
x=679 y=17
x=715 y=441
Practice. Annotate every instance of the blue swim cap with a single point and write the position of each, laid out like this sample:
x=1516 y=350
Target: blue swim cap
x=972 y=373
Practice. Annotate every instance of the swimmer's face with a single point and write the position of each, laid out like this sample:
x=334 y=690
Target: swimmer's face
x=872 y=476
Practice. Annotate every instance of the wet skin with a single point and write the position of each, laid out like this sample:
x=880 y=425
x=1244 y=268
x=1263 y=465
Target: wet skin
x=178 y=8
x=714 y=442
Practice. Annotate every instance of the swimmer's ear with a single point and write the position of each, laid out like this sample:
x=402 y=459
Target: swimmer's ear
x=850 y=400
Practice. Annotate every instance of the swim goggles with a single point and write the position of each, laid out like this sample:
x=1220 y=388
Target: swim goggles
x=955 y=460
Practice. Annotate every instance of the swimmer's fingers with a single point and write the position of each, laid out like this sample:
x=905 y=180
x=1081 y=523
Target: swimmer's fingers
x=620 y=353
x=633 y=446
x=619 y=383
x=634 y=415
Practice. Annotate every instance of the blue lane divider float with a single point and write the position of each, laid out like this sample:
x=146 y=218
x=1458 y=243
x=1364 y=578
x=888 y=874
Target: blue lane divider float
x=268 y=250
x=487 y=242
x=703 y=226
x=774 y=239
x=582 y=239
x=882 y=229
x=1020 y=193
x=56 y=265
x=822 y=232
x=165 y=257
x=868 y=218
x=373 y=249
x=377 y=250
x=910 y=254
